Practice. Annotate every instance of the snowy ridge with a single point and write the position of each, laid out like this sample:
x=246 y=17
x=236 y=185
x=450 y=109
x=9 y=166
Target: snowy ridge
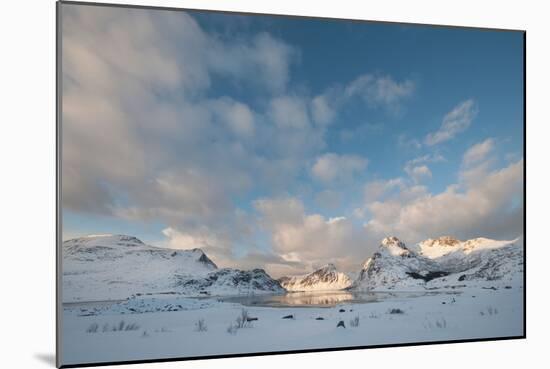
x=442 y=263
x=326 y=278
x=112 y=267
x=115 y=267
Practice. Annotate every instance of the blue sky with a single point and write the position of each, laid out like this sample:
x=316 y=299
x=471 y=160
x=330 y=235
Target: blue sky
x=287 y=143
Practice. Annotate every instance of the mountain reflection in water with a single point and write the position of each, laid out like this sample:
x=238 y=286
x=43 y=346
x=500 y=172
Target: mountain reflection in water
x=303 y=299
x=322 y=298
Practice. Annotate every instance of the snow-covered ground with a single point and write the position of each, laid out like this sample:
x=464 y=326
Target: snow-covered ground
x=165 y=325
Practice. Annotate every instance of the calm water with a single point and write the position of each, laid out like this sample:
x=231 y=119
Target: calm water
x=289 y=299
x=323 y=298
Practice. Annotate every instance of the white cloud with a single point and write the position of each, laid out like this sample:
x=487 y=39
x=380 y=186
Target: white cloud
x=380 y=90
x=289 y=112
x=333 y=167
x=184 y=241
x=417 y=168
x=178 y=198
x=329 y=199
x=238 y=116
x=486 y=202
x=322 y=111
x=376 y=90
x=377 y=191
x=478 y=152
x=219 y=250
x=488 y=208
x=418 y=173
x=280 y=211
x=311 y=239
x=374 y=190
x=216 y=243
x=272 y=58
x=428 y=158
x=144 y=141
x=135 y=110
x=454 y=122
x=477 y=161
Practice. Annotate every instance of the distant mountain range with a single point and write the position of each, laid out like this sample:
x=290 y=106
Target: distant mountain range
x=110 y=267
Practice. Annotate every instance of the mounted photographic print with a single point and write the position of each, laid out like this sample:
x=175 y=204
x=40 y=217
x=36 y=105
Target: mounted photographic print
x=239 y=184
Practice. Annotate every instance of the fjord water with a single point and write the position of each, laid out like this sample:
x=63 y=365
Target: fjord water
x=323 y=298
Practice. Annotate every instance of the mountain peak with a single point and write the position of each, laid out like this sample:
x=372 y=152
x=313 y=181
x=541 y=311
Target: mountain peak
x=206 y=260
x=393 y=241
x=442 y=241
x=325 y=278
x=443 y=262
x=330 y=267
x=106 y=239
x=394 y=246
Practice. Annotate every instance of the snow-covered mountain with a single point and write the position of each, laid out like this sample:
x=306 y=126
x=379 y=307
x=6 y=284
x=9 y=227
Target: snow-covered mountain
x=326 y=278
x=442 y=263
x=110 y=267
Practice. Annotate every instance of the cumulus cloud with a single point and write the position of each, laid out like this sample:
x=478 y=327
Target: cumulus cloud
x=264 y=60
x=138 y=125
x=329 y=199
x=378 y=91
x=143 y=140
x=395 y=189
x=215 y=245
x=183 y=197
x=454 y=122
x=322 y=110
x=480 y=209
x=477 y=161
x=238 y=116
x=214 y=241
x=310 y=239
x=289 y=112
x=374 y=190
x=332 y=167
x=485 y=202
